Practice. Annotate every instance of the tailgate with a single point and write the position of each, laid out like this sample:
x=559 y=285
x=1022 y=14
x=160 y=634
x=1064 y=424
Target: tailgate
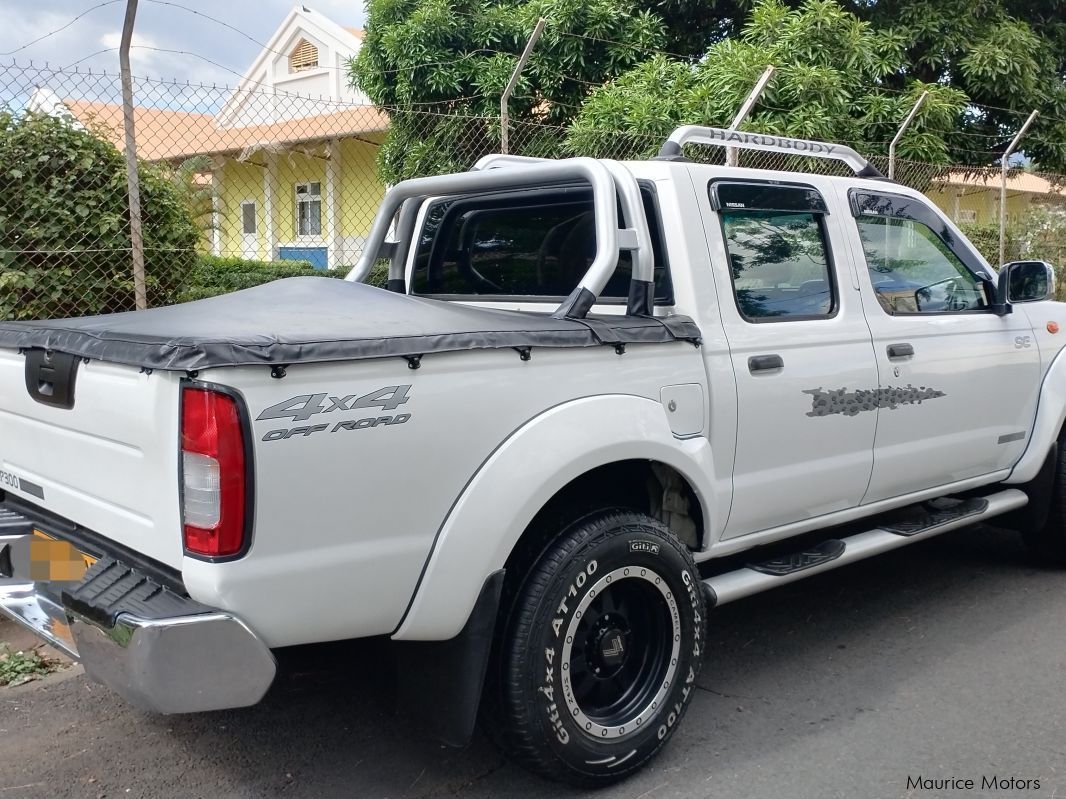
x=109 y=463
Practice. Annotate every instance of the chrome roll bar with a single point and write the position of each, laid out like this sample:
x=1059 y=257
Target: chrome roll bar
x=634 y=236
x=611 y=185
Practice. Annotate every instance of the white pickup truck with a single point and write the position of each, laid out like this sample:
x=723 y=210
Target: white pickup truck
x=596 y=400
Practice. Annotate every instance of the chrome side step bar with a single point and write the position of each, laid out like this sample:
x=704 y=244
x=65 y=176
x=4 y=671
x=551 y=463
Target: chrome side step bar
x=728 y=587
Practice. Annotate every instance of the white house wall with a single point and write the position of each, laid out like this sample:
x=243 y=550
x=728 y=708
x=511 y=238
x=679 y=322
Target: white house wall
x=269 y=93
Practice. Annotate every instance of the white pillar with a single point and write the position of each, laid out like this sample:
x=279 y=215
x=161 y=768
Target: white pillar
x=216 y=210
x=332 y=228
x=270 y=178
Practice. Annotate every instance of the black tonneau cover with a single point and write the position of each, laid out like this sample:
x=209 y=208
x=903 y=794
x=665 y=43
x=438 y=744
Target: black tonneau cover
x=316 y=319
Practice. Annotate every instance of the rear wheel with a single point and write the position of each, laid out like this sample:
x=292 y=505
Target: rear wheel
x=599 y=655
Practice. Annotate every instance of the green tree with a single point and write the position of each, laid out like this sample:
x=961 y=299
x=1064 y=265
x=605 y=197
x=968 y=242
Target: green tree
x=191 y=181
x=64 y=223
x=692 y=26
x=1010 y=54
x=436 y=64
x=829 y=67
x=439 y=69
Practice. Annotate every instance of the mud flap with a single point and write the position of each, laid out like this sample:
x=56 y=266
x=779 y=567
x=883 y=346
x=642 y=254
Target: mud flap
x=439 y=682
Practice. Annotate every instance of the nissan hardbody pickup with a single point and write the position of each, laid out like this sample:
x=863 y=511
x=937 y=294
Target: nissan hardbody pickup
x=596 y=400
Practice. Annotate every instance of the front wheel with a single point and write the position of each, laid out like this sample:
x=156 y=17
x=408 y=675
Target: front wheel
x=600 y=654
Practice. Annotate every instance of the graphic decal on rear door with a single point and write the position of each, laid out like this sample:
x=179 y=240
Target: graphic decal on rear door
x=852 y=403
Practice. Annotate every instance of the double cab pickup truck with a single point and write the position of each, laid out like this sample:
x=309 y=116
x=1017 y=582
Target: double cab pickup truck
x=595 y=401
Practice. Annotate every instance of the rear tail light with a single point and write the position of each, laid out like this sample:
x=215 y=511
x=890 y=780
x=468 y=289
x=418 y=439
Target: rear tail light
x=214 y=486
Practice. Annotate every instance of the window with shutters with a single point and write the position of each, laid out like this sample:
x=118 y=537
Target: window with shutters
x=304 y=56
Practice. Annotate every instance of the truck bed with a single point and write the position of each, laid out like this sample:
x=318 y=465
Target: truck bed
x=311 y=319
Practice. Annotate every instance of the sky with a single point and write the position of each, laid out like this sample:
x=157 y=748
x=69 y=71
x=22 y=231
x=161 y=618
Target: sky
x=160 y=24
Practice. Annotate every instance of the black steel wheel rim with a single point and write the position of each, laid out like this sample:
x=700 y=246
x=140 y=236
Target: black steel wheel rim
x=621 y=652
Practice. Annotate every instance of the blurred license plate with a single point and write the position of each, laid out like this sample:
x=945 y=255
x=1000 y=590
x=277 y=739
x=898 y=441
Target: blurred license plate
x=52 y=560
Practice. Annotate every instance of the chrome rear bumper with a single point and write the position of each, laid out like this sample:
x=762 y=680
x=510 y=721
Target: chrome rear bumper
x=157 y=658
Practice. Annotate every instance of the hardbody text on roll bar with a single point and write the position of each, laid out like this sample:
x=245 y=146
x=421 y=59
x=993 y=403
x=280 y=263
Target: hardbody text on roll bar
x=698 y=134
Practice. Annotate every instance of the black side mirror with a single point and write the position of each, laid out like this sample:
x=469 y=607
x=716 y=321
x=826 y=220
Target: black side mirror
x=997 y=293
x=1026 y=281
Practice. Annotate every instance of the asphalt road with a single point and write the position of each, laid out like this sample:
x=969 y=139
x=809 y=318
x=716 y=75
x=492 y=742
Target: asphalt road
x=942 y=660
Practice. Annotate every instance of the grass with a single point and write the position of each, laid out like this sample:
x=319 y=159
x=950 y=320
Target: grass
x=17 y=668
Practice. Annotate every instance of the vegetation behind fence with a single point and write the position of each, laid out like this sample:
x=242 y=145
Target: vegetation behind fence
x=247 y=185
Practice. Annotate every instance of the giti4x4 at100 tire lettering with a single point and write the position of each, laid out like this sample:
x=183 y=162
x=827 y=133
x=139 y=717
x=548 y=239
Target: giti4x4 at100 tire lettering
x=602 y=651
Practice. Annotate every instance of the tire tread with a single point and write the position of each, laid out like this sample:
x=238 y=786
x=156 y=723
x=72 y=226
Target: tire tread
x=512 y=722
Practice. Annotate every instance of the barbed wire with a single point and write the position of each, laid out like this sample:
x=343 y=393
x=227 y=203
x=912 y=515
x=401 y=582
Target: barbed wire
x=277 y=180
x=60 y=29
x=233 y=28
x=559 y=76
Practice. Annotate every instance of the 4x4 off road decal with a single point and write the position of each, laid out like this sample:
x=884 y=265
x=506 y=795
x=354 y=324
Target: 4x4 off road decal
x=852 y=403
x=301 y=408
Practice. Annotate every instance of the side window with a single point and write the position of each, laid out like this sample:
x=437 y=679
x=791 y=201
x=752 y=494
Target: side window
x=779 y=263
x=913 y=270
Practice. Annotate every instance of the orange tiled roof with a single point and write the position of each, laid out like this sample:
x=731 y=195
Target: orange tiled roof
x=1027 y=182
x=358 y=33
x=163 y=134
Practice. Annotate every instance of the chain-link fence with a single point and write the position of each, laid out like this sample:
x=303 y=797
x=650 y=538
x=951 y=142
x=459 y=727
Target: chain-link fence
x=244 y=185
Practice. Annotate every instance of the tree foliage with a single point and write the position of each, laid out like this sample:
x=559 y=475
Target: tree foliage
x=1008 y=56
x=847 y=70
x=828 y=67
x=64 y=223
x=440 y=67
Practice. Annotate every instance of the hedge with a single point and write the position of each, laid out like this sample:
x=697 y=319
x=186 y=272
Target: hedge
x=64 y=223
x=214 y=275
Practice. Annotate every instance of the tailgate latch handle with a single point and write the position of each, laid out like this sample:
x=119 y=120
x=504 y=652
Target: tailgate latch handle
x=50 y=377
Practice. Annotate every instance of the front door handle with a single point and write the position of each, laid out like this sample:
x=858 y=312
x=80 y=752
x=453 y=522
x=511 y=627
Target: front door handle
x=765 y=363
x=900 y=351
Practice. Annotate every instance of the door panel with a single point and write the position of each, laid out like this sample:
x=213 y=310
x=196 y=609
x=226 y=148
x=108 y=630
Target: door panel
x=803 y=442
x=960 y=404
x=800 y=351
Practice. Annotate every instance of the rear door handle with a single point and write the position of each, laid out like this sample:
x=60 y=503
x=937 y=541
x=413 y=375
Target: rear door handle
x=765 y=363
x=900 y=351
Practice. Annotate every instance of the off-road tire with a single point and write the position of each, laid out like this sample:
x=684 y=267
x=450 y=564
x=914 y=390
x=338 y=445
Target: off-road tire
x=614 y=600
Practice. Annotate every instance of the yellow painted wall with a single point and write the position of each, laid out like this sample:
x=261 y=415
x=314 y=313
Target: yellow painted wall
x=359 y=194
x=293 y=168
x=239 y=182
x=984 y=202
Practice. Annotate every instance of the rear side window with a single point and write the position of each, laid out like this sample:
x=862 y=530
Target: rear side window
x=779 y=264
x=520 y=245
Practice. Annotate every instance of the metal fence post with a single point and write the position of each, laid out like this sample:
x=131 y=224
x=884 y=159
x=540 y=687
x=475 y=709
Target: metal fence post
x=1003 y=185
x=132 y=178
x=899 y=135
x=731 y=158
x=506 y=96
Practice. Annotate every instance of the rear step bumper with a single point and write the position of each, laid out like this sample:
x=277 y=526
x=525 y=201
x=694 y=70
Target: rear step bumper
x=754 y=579
x=161 y=651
